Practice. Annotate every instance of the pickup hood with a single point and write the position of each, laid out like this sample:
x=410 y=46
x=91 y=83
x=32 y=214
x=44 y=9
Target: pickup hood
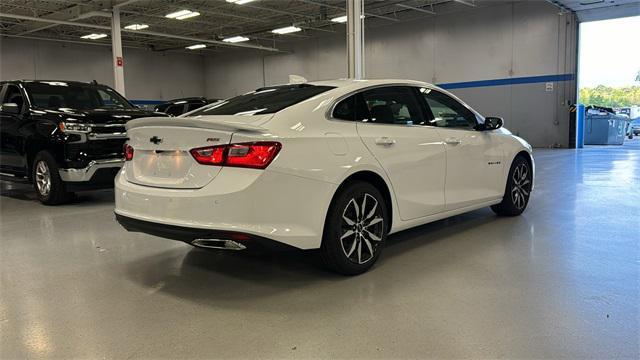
x=101 y=116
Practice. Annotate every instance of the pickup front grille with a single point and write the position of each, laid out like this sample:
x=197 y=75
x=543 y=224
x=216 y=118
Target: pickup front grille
x=95 y=149
x=105 y=148
x=108 y=129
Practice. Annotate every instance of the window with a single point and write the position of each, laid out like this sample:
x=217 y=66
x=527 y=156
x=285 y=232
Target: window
x=194 y=105
x=175 y=110
x=393 y=105
x=351 y=108
x=447 y=112
x=267 y=100
x=56 y=95
x=162 y=107
x=13 y=95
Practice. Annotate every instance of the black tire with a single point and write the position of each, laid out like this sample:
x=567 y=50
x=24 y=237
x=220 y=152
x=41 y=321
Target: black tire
x=45 y=170
x=349 y=247
x=518 y=189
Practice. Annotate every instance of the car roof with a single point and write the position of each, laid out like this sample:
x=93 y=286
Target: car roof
x=50 y=81
x=344 y=86
x=193 y=98
x=364 y=83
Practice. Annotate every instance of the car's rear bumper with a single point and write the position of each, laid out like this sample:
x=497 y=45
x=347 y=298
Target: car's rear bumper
x=258 y=203
x=194 y=235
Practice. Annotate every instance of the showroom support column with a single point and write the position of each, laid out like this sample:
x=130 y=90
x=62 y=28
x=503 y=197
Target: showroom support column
x=116 y=45
x=355 y=38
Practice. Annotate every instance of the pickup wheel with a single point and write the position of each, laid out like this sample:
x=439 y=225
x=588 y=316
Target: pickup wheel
x=50 y=188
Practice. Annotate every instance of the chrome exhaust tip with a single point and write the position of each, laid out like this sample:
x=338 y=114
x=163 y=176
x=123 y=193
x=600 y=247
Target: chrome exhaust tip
x=218 y=244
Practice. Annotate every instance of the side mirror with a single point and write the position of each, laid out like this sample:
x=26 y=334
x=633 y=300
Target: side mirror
x=490 y=123
x=10 y=108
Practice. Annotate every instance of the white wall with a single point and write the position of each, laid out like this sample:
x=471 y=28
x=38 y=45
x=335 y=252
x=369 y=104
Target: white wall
x=506 y=41
x=148 y=75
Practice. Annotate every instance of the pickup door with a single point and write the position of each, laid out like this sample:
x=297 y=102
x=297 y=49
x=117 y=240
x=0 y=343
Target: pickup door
x=11 y=158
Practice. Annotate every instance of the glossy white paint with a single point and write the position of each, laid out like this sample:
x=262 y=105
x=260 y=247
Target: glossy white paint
x=431 y=173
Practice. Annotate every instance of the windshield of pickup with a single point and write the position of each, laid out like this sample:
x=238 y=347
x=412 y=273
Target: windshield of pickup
x=267 y=100
x=60 y=95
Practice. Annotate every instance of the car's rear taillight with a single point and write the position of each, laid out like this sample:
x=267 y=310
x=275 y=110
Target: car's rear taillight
x=212 y=155
x=128 y=152
x=256 y=155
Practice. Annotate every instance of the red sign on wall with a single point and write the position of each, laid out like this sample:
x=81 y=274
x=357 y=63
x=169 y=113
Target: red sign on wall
x=119 y=61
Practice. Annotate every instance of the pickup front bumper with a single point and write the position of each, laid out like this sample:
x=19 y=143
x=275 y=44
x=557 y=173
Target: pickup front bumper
x=86 y=173
x=98 y=172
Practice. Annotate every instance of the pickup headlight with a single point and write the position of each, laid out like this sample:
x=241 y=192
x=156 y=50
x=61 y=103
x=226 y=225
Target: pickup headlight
x=70 y=127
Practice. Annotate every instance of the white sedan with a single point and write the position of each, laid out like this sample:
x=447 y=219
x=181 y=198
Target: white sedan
x=330 y=165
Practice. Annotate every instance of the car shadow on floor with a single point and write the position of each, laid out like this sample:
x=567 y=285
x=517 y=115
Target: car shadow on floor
x=25 y=192
x=223 y=277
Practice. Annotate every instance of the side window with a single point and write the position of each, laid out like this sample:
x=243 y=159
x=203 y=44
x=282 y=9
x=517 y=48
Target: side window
x=106 y=99
x=351 y=108
x=13 y=95
x=393 y=105
x=175 y=110
x=194 y=105
x=447 y=112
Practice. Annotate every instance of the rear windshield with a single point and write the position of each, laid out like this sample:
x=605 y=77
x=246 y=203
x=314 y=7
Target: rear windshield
x=263 y=101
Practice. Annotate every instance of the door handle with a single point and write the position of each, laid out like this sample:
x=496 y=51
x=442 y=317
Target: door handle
x=385 y=141
x=452 y=141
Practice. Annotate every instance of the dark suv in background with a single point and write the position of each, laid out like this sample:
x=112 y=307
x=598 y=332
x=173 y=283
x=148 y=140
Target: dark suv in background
x=63 y=136
x=177 y=107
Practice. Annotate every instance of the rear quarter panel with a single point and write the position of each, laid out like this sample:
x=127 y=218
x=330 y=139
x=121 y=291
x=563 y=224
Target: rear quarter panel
x=317 y=148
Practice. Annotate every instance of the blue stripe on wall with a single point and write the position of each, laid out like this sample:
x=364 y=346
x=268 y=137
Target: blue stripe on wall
x=457 y=85
x=508 y=81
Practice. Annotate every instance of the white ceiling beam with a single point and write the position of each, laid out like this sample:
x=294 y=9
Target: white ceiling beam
x=125 y=3
x=80 y=17
x=465 y=2
x=96 y=43
x=416 y=9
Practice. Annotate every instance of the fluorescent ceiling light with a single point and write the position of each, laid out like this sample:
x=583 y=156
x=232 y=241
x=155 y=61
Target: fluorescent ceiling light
x=196 y=46
x=94 y=36
x=190 y=15
x=182 y=14
x=136 y=26
x=343 y=19
x=174 y=15
x=286 y=30
x=239 y=2
x=340 y=19
x=235 y=39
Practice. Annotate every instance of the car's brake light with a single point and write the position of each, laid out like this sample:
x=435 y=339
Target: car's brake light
x=256 y=155
x=212 y=155
x=128 y=152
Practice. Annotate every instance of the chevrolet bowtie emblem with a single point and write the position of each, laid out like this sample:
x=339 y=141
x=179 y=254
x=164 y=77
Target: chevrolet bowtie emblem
x=156 y=140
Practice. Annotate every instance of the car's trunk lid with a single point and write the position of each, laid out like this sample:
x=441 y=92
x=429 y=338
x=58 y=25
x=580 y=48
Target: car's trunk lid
x=161 y=148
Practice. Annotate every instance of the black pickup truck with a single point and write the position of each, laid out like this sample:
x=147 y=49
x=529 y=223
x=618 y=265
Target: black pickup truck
x=62 y=136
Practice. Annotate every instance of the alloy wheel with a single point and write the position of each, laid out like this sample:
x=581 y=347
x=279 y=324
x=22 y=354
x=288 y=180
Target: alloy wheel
x=362 y=228
x=521 y=186
x=43 y=178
